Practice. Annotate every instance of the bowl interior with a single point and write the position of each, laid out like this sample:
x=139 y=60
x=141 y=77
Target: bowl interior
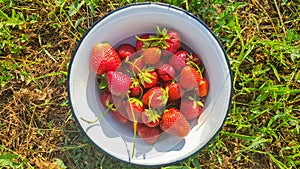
x=116 y=139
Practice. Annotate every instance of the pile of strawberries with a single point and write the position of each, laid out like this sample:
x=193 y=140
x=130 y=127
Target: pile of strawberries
x=156 y=85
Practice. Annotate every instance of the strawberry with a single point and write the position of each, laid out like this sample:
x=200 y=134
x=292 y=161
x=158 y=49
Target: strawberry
x=164 y=39
x=191 y=108
x=121 y=118
x=203 y=87
x=140 y=45
x=174 y=91
x=136 y=91
x=195 y=58
x=118 y=83
x=150 y=118
x=166 y=72
x=203 y=83
x=156 y=97
x=178 y=60
x=106 y=98
x=134 y=108
x=125 y=50
x=151 y=55
x=173 y=122
x=104 y=58
x=189 y=77
x=148 y=78
x=173 y=41
x=148 y=134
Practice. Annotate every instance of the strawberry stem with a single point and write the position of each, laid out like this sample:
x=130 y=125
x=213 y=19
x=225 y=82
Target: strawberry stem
x=150 y=39
x=134 y=127
x=100 y=116
x=134 y=138
x=197 y=67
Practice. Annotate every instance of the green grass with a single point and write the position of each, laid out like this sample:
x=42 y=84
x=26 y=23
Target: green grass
x=262 y=42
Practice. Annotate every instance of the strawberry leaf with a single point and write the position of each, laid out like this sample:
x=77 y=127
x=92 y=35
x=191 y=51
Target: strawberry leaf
x=103 y=82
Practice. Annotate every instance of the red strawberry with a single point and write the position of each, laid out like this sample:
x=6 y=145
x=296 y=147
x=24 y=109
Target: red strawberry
x=148 y=134
x=121 y=118
x=125 y=50
x=173 y=122
x=203 y=87
x=106 y=98
x=150 y=118
x=148 y=78
x=134 y=107
x=166 y=72
x=189 y=78
x=203 y=83
x=156 y=97
x=118 y=83
x=195 y=58
x=174 y=91
x=178 y=60
x=173 y=41
x=151 y=55
x=164 y=39
x=140 y=44
x=191 y=108
x=104 y=58
x=136 y=91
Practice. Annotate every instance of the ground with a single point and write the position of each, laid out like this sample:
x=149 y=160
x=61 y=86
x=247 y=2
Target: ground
x=38 y=38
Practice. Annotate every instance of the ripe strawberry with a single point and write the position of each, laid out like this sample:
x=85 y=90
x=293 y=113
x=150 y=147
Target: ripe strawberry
x=148 y=134
x=136 y=91
x=125 y=50
x=178 y=60
x=151 y=55
x=148 y=79
x=156 y=97
x=118 y=83
x=106 y=98
x=203 y=87
x=134 y=107
x=166 y=72
x=173 y=41
x=191 y=108
x=140 y=45
x=189 y=77
x=104 y=58
x=174 y=91
x=195 y=58
x=164 y=39
x=121 y=118
x=173 y=122
x=150 y=118
x=119 y=103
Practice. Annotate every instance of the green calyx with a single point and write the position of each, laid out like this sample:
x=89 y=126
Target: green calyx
x=195 y=102
x=158 y=40
x=103 y=81
x=165 y=96
x=152 y=115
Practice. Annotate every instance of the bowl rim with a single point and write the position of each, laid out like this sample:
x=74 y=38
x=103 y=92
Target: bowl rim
x=163 y=5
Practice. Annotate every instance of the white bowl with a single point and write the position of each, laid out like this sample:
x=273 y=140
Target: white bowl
x=112 y=137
